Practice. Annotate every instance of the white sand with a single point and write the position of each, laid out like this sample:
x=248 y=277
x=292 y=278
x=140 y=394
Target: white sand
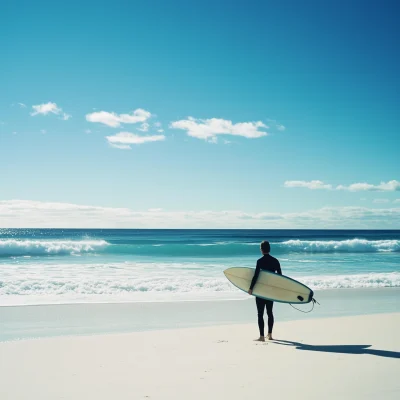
x=212 y=363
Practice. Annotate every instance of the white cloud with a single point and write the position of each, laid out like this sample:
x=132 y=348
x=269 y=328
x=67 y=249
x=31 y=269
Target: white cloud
x=49 y=108
x=209 y=128
x=88 y=131
x=45 y=109
x=381 y=201
x=115 y=120
x=309 y=185
x=22 y=105
x=25 y=214
x=127 y=138
x=43 y=131
x=160 y=130
x=355 y=187
x=144 y=127
x=383 y=187
x=280 y=127
x=157 y=124
x=14 y=133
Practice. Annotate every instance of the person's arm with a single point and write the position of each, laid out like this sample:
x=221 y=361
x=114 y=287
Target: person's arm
x=278 y=268
x=255 y=277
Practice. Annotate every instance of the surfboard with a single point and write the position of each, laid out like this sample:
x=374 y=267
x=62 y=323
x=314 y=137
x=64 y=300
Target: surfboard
x=270 y=286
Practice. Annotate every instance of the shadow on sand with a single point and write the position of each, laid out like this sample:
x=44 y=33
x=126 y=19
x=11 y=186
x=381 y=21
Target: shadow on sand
x=341 y=349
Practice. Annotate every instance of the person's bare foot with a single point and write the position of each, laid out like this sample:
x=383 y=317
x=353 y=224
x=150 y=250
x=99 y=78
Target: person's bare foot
x=260 y=339
x=269 y=336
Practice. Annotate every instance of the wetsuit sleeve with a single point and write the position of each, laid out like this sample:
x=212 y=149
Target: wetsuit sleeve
x=255 y=277
x=278 y=268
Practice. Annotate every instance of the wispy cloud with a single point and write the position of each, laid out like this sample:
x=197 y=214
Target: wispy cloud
x=208 y=129
x=49 y=108
x=43 y=131
x=65 y=117
x=115 y=120
x=127 y=138
x=25 y=213
x=390 y=186
x=144 y=127
x=396 y=201
x=274 y=124
x=88 y=131
x=158 y=125
x=20 y=105
x=308 y=184
x=121 y=146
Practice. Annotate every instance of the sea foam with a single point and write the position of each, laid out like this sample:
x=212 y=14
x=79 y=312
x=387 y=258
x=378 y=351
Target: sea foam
x=42 y=283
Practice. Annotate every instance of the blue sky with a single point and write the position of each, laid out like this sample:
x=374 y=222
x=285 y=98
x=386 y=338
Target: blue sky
x=279 y=94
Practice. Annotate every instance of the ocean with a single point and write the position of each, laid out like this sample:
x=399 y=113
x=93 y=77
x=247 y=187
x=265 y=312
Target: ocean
x=62 y=266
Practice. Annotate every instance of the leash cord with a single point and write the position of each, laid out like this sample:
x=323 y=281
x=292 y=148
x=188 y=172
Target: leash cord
x=306 y=312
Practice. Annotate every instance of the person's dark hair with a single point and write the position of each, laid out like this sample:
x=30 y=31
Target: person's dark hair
x=265 y=247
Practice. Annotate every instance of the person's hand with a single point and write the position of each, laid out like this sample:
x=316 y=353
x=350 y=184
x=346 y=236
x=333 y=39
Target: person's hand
x=250 y=291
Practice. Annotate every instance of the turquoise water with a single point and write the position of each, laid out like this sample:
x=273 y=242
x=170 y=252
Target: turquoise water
x=50 y=266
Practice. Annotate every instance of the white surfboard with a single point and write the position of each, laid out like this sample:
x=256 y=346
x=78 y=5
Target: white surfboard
x=270 y=286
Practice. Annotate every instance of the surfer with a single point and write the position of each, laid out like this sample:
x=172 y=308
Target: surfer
x=270 y=264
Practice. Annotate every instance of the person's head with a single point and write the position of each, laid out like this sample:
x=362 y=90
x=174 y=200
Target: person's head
x=265 y=247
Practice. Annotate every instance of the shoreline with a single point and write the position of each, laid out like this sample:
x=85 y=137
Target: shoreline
x=41 y=321
x=240 y=296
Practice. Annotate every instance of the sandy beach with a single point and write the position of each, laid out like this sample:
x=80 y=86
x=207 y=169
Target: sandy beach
x=346 y=358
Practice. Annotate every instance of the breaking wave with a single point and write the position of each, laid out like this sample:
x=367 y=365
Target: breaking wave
x=13 y=247
x=350 y=246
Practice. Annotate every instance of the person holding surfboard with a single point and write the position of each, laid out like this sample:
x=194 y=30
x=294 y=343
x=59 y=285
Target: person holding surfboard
x=270 y=264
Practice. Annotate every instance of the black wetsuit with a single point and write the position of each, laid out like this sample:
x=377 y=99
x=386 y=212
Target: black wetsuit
x=270 y=264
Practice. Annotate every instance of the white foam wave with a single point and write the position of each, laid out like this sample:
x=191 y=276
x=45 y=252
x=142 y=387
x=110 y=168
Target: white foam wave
x=110 y=288
x=371 y=280
x=13 y=247
x=132 y=281
x=351 y=245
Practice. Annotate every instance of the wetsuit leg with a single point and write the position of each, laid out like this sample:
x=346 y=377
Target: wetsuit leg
x=269 y=304
x=260 y=311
